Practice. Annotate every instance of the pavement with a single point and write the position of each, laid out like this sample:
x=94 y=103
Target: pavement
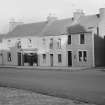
x=12 y=96
x=48 y=68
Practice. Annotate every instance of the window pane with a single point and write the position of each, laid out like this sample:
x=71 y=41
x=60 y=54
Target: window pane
x=82 y=39
x=59 y=58
x=80 y=56
x=69 y=39
x=85 y=56
x=9 y=56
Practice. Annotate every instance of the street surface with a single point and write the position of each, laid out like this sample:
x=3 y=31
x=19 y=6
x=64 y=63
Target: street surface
x=87 y=86
x=12 y=96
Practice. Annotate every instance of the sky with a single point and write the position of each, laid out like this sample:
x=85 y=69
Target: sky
x=37 y=10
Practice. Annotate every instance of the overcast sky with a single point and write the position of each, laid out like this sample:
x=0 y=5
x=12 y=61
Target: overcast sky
x=38 y=10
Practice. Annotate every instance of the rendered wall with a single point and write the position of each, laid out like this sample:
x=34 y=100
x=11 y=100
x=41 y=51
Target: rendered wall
x=99 y=50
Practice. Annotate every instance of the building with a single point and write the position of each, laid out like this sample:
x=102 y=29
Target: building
x=72 y=42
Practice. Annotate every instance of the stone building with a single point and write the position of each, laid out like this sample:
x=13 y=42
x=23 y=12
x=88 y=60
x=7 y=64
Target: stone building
x=71 y=42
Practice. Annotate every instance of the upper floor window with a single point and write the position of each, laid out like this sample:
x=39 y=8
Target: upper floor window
x=29 y=42
x=51 y=43
x=44 y=41
x=9 y=41
x=19 y=44
x=59 y=43
x=69 y=39
x=82 y=38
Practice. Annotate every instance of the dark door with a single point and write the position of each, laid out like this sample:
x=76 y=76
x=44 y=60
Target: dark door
x=51 y=59
x=35 y=58
x=19 y=59
x=69 y=58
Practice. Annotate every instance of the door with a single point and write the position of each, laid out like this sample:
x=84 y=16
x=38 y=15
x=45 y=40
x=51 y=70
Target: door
x=19 y=59
x=51 y=59
x=69 y=58
x=35 y=58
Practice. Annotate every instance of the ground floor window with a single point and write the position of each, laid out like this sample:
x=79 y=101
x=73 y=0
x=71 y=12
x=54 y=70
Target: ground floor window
x=82 y=56
x=9 y=57
x=44 y=58
x=59 y=58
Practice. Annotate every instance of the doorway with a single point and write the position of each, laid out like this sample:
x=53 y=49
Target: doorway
x=69 y=58
x=51 y=59
x=19 y=59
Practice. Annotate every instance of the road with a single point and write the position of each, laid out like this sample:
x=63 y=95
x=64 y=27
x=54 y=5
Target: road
x=87 y=86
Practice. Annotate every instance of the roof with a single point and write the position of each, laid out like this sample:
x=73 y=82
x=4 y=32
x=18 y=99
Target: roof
x=77 y=28
x=57 y=27
x=1 y=37
x=27 y=30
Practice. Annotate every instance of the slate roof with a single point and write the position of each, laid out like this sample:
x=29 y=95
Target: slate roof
x=77 y=28
x=57 y=27
x=1 y=37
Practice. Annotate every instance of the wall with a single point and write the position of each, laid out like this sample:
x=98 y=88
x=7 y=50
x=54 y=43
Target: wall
x=42 y=48
x=102 y=22
x=14 y=61
x=76 y=46
x=99 y=49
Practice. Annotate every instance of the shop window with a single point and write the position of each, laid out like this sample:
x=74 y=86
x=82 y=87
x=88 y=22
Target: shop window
x=9 y=57
x=59 y=58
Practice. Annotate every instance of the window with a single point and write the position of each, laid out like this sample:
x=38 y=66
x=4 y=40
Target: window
x=44 y=41
x=82 y=38
x=69 y=39
x=29 y=42
x=44 y=58
x=82 y=56
x=51 y=43
x=19 y=44
x=9 y=57
x=59 y=43
x=59 y=58
x=9 y=41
